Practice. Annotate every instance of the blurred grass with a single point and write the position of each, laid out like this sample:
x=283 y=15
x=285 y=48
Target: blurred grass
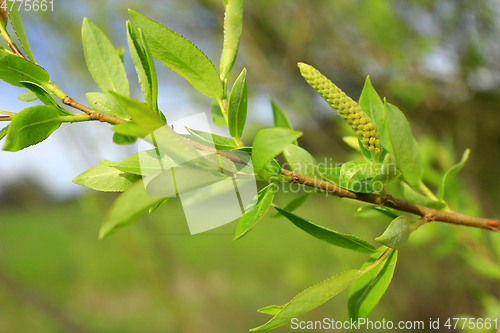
x=55 y=276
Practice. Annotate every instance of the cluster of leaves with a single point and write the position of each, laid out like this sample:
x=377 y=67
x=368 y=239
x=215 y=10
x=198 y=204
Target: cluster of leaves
x=148 y=39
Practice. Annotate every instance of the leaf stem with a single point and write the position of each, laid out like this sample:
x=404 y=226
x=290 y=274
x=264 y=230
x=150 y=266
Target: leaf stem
x=10 y=42
x=422 y=187
x=93 y=115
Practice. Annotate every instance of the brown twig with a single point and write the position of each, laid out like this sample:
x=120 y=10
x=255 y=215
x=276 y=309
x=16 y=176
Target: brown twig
x=429 y=213
x=94 y=115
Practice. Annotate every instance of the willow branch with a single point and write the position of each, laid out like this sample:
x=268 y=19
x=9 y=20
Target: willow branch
x=94 y=115
x=429 y=214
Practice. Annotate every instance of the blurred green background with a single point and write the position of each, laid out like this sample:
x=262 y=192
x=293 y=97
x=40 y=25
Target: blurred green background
x=438 y=61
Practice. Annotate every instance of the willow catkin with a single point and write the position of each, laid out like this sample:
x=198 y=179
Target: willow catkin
x=344 y=106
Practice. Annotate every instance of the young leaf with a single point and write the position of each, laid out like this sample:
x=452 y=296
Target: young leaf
x=139 y=113
x=294 y=204
x=158 y=205
x=279 y=116
x=411 y=196
x=3 y=132
x=271 y=310
x=373 y=106
x=31 y=126
x=269 y=142
x=103 y=62
x=145 y=163
x=121 y=139
x=27 y=97
x=142 y=67
x=366 y=292
x=233 y=23
x=300 y=161
x=127 y=208
x=43 y=95
x=332 y=175
x=17 y=24
x=356 y=176
x=129 y=128
x=404 y=145
x=180 y=55
x=107 y=104
x=217 y=115
x=219 y=142
x=238 y=106
x=397 y=233
x=262 y=202
x=105 y=178
x=311 y=298
x=451 y=171
x=371 y=211
x=333 y=237
x=14 y=69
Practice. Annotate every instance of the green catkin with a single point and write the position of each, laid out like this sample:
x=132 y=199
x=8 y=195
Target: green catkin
x=344 y=106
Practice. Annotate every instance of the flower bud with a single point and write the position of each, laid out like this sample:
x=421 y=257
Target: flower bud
x=344 y=106
x=3 y=14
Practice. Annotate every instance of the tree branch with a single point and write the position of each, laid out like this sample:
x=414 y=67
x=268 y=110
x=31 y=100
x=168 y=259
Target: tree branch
x=429 y=214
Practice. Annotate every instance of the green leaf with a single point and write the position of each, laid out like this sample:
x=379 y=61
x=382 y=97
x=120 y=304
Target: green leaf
x=233 y=24
x=129 y=128
x=262 y=202
x=220 y=142
x=139 y=113
x=387 y=172
x=333 y=237
x=127 y=208
x=43 y=95
x=357 y=176
x=353 y=142
x=105 y=178
x=451 y=171
x=107 y=104
x=311 y=298
x=269 y=142
x=373 y=106
x=279 y=116
x=217 y=115
x=155 y=207
x=120 y=51
x=404 y=145
x=300 y=161
x=238 y=105
x=145 y=163
x=371 y=211
x=411 y=196
x=103 y=62
x=27 y=97
x=31 y=126
x=4 y=132
x=397 y=233
x=17 y=24
x=366 y=292
x=14 y=69
x=121 y=139
x=332 y=175
x=180 y=55
x=294 y=204
x=271 y=310
x=143 y=68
